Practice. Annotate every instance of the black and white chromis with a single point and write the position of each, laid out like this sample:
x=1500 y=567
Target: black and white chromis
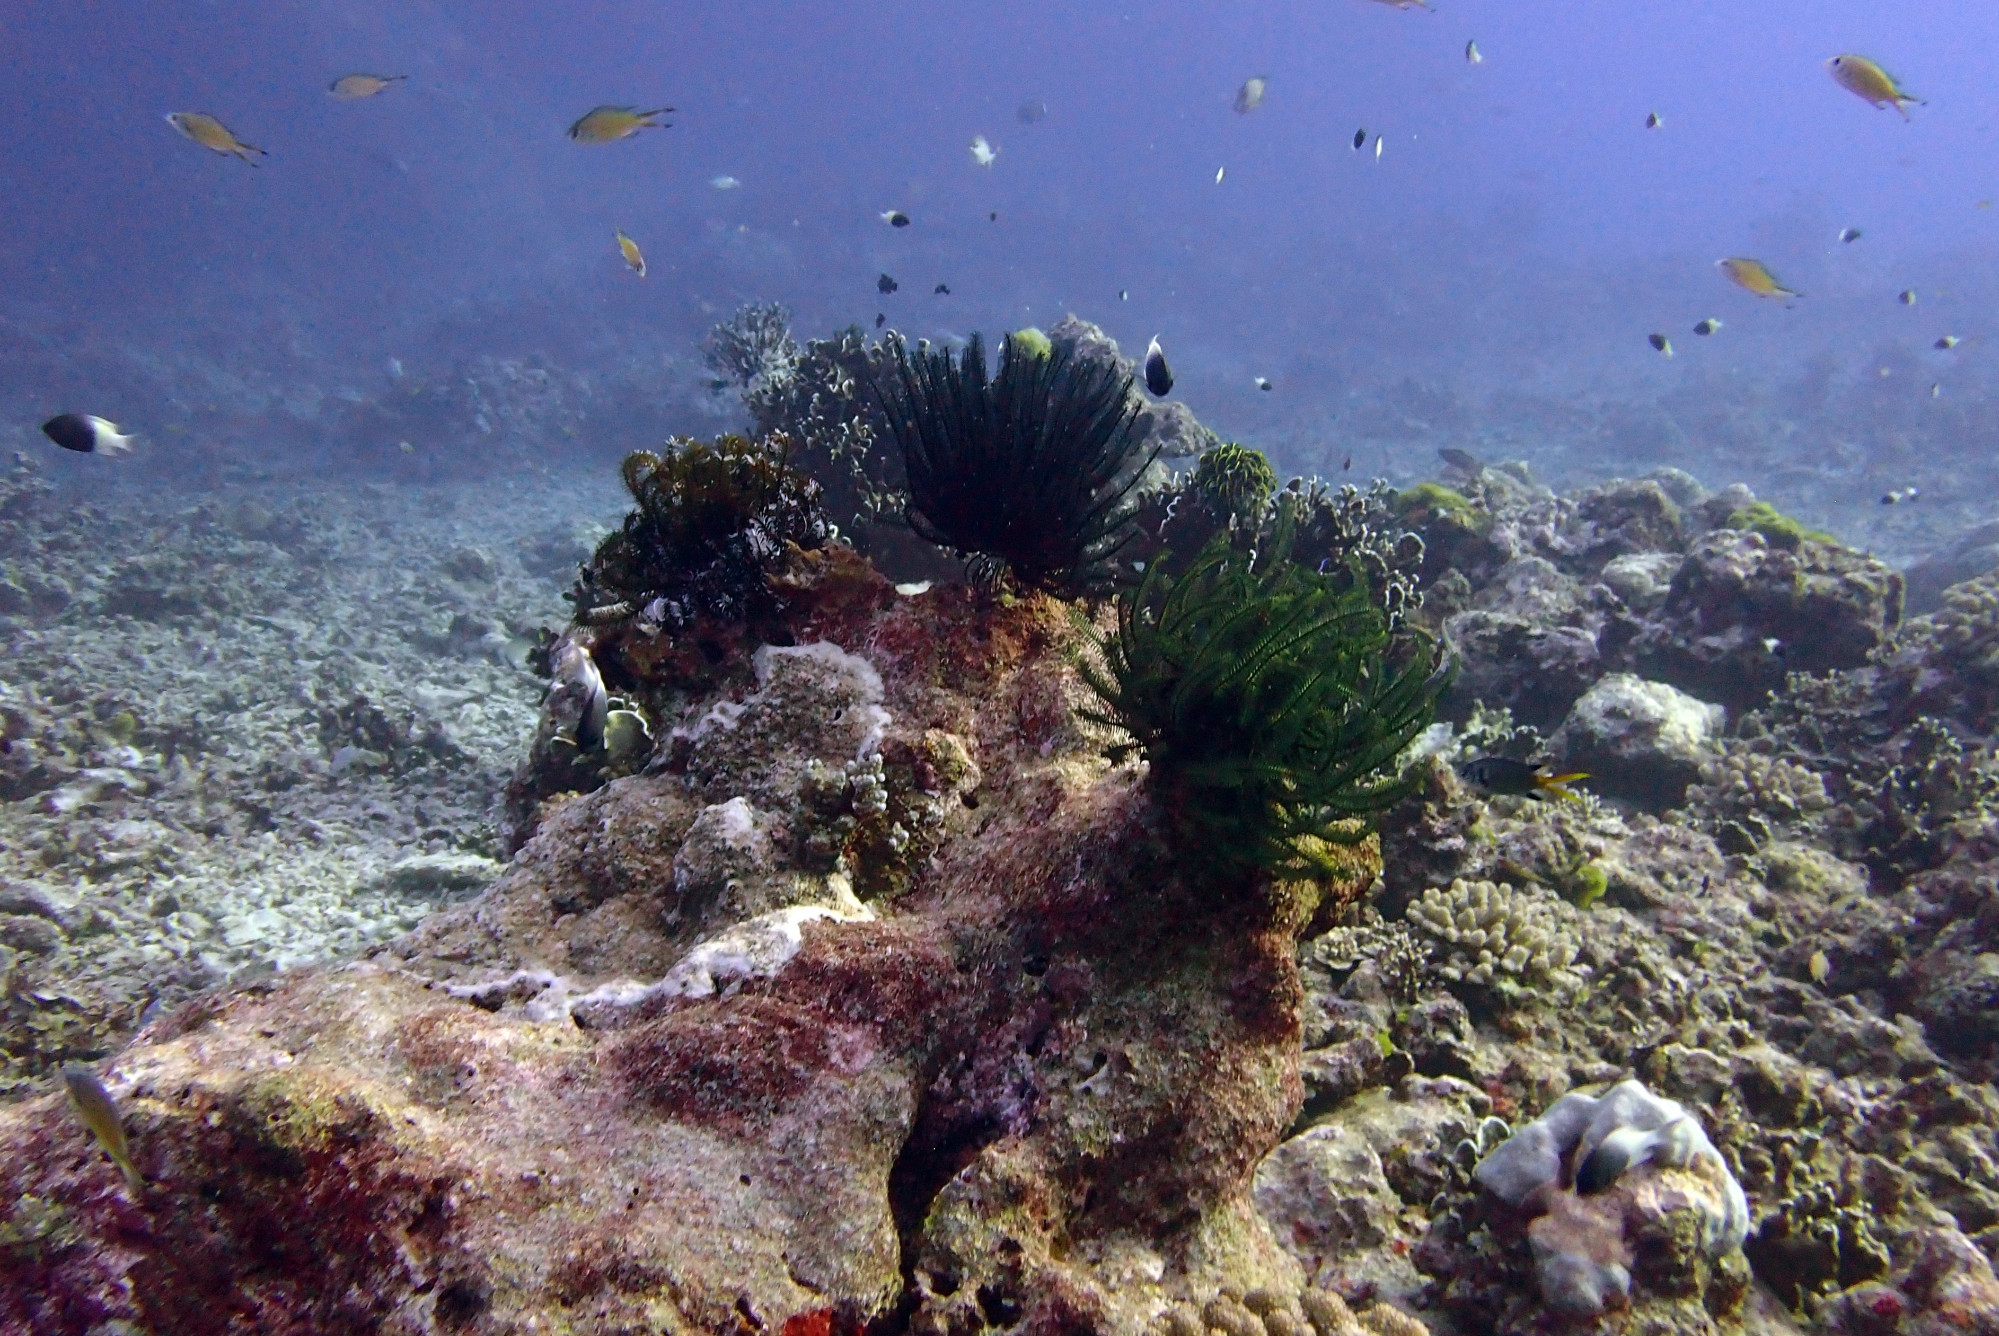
x=87 y=435
x=1158 y=376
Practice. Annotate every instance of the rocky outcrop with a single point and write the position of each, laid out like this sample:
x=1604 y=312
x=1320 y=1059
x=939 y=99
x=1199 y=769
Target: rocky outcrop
x=671 y=1073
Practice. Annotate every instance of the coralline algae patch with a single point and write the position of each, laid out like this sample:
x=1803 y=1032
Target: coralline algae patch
x=249 y=732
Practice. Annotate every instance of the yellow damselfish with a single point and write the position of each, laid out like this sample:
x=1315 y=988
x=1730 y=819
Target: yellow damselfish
x=353 y=87
x=602 y=125
x=1755 y=276
x=211 y=134
x=1864 y=79
x=630 y=250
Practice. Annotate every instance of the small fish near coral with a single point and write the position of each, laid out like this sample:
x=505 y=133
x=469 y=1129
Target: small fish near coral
x=1502 y=775
x=577 y=699
x=87 y=435
x=96 y=1110
x=605 y=125
x=885 y=285
x=211 y=134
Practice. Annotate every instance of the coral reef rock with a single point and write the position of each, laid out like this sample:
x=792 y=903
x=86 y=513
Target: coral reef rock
x=1647 y=1180
x=1643 y=741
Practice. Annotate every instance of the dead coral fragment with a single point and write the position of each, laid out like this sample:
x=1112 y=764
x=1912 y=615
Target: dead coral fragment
x=712 y=522
x=1270 y=704
x=1031 y=467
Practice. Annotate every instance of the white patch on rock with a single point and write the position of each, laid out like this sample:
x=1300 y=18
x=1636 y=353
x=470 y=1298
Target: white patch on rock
x=1640 y=740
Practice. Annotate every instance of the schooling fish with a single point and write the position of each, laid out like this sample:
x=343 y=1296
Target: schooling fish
x=1263 y=383
x=1359 y=138
x=1660 y=344
x=1946 y=343
x=211 y=134
x=1753 y=276
x=894 y=217
x=941 y=290
x=1504 y=775
x=86 y=435
x=1472 y=54
x=1907 y=296
x=1653 y=120
x=1250 y=96
x=1707 y=327
x=1461 y=459
x=1158 y=376
x=723 y=182
x=96 y=1110
x=630 y=250
x=983 y=153
x=885 y=285
x=603 y=125
x=881 y=318
x=354 y=87
x=1031 y=111
x=1849 y=234
x=1865 y=80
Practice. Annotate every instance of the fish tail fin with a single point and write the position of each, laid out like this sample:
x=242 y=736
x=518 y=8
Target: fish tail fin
x=133 y=1178
x=1557 y=785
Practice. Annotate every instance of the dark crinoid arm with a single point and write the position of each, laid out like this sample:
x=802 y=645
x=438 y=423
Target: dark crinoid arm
x=1033 y=467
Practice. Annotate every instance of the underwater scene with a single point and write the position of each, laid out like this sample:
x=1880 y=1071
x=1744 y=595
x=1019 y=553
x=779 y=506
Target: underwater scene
x=1299 y=668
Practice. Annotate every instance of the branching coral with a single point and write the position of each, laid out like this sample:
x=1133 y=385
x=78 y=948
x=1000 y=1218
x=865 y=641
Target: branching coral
x=1351 y=536
x=711 y=523
x=1270 y=703
x=817 y=396
x=754 y=349
x=1496 y=932
x=1032 y=467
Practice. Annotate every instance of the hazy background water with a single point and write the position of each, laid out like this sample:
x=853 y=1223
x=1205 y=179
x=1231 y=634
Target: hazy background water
x=1487 y=282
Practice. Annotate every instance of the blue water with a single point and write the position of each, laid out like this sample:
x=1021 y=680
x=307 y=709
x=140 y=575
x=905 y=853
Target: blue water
x=1489 y=280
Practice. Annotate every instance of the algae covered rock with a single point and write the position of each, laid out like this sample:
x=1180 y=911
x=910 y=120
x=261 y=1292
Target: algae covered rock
x=1743 y=611
x=1644 y=741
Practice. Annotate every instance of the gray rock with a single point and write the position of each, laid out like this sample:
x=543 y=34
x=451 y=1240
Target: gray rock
x=440 y=874
x=1326 y=1192
x=1642 y=741
x=1642 y=579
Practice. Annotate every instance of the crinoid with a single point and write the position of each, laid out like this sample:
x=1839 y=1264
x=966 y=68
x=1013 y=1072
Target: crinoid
x=709 y=525
x=1271 y=701
x=1033 y=466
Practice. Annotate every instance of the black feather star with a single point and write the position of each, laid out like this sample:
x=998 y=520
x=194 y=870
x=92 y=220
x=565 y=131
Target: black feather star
x=1032 y=467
